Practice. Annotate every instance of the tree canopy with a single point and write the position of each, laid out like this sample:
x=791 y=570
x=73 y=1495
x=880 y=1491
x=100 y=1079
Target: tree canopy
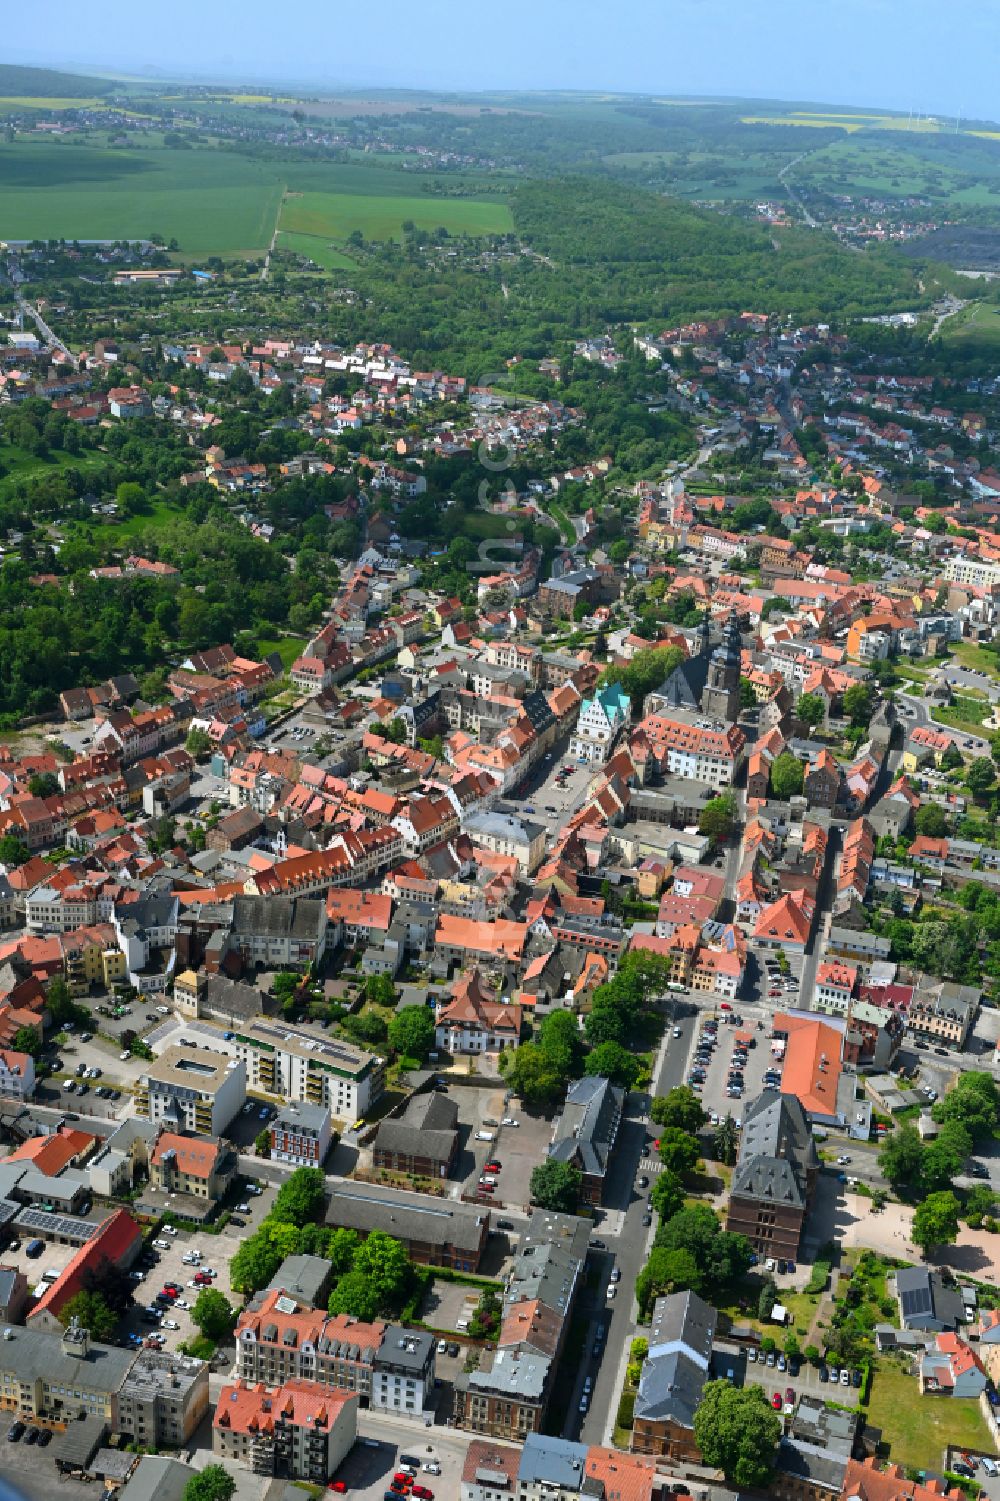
x=556 y=1185
x=737 y=1431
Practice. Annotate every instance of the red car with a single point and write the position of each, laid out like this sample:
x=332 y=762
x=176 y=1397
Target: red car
x=168 y=1292
x=486 y=1188
x=494 y=1166
x=202 y=1279
x=423 y=1493
x=340 y=1486
x=401 y=1478
x=776 y=1401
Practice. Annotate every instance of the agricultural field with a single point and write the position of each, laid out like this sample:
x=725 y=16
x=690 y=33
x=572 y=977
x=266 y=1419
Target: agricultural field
x=848 y=121
x=215 y=202
x=381 y=217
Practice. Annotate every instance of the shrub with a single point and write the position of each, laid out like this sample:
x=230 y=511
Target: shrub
x=626 y=1410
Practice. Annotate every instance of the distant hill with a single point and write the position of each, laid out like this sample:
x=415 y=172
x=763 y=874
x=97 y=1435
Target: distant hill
x=46 y=83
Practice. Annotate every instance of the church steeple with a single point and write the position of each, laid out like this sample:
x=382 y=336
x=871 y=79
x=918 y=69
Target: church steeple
x=721 y=697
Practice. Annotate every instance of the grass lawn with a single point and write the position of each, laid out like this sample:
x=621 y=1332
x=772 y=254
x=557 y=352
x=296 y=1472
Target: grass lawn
x=563 y=522
x=978 y=324
x=917 y=1429
x=968 y=654
x=381 y=216
x=317 y=248
x=289 y=648
x=966 y=715
x=15 y=462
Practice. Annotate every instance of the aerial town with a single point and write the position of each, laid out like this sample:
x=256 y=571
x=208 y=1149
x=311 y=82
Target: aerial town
x=499 y=961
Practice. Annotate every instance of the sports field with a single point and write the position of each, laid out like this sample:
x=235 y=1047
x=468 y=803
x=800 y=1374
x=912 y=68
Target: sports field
x=216 y=202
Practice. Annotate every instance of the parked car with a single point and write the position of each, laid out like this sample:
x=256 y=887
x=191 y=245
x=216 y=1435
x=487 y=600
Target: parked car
x=776 y=1401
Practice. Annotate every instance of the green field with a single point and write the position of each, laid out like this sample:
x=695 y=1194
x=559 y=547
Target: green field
x=289 y=648
x=917 y=1429
x=381 y=217
x=215 y=201
x=317 y=248
x=978 y=324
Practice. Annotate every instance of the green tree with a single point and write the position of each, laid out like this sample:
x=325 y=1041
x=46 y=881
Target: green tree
x=951 y=759
x=737 y=1431
x=130 y=498
x=556 y=1185
x=667 y=1195
x=646 y=671
x=26 y=1040
x=945 y=1156
x=301 y=1197
x=611 y=1061
x=722 y=1257
x=13 y=851
x=355 y=1295
x=786 y=776
x=981 y=777
x=198 y=743
x=44 y=784
x=930 y=820
x=718 y=818
x=341 y=1248
x=678 y=1151
x=213 y=1483
x=974 y=1103
x=213 y=1314
x=380 y=990
x=858 y=702
x=411 y=1031
x=681 y=1107
x=262 y=1143
x=935 y=1221
x=726 y=1141
x=383 y=1262
x=901 y=1156
x=664 y=1272
x=92 y=1311
x=811 y=710
x=560 y=1042
x=531 y=1076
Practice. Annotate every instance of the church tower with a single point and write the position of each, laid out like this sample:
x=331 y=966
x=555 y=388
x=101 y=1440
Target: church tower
x=721 y=697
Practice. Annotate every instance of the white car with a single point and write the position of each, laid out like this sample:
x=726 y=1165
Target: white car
x=123 y=1056
x=209 y=1271
x=678 y=1032
x=170 y=1324
x=162 y=1245
x=431 y=1467
x=843 y=1160
x=243 y=1209
x=442 y=1347
x=169 y=1230
x=196 y=1285
x=509 y=1120
x=181 y=1303
x=612 y=1289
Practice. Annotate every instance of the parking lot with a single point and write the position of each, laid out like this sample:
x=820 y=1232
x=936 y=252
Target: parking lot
x=376 y=1457
x=53 y=1258
x=715 y=1084
x=518 y=1148
x=170 y=1266
x=544 y=800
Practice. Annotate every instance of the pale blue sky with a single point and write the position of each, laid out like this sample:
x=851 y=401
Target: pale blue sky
x=905 y=54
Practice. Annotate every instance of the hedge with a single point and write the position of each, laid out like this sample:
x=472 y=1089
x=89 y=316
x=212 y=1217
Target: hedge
x=626 y=1410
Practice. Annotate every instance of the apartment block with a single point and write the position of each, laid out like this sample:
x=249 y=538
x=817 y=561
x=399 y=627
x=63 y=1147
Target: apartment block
x=298 y=1064
x=194 y=1089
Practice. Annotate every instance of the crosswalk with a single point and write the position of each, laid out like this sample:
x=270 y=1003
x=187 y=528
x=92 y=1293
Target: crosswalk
x=650 y=1165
